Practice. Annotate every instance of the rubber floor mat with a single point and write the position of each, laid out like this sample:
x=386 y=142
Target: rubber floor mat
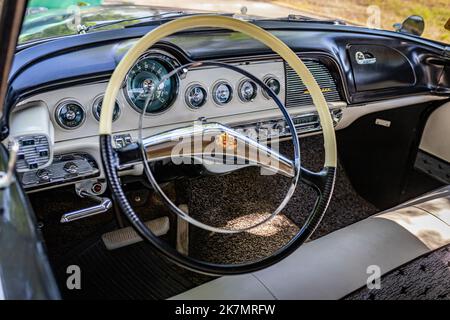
x=133 y=272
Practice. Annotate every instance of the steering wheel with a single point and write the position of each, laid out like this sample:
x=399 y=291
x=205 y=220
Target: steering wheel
x=160 y=146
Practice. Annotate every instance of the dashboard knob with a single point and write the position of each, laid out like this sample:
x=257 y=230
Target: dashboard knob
x=43 y=175
x=71 y=168
x=336 y=116
x=263 y=132
x=252 y=133
x=70 y=115
x=280 y=128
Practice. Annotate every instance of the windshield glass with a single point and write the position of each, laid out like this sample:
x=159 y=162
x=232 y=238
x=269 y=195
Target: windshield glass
x=53 y=18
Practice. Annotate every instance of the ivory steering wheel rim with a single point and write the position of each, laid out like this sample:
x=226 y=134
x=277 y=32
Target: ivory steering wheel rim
x=326 y=179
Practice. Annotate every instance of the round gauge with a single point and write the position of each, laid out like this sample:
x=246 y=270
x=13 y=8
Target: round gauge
x=273 y=84
x=70 y=114
x=222 y=93
x=143 y=83
x=97 y=109
x=195 y=96
x=247 y=90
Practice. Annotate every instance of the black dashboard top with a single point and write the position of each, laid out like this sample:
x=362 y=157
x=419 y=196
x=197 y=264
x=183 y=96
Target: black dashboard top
x=84 y=58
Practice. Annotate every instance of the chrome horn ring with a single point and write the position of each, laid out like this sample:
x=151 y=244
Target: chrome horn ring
x=296 y=163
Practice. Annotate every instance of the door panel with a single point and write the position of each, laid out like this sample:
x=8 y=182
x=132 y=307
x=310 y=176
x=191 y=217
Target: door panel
x=24 y=269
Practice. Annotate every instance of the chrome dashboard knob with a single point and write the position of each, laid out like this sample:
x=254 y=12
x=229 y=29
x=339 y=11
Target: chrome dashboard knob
x=43 y=175
x=71 y=168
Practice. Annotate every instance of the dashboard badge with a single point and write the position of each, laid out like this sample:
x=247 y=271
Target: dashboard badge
x=227 y=141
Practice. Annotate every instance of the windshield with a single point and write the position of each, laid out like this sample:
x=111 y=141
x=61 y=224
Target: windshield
x=53 y=18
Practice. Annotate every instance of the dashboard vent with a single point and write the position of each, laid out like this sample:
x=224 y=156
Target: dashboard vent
x=296 y=92
x=34 y=152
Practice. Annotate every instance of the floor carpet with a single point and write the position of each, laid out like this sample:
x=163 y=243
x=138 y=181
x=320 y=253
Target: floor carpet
x=246 y=197
x=426 y=278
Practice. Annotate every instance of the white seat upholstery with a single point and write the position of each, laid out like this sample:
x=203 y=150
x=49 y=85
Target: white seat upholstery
x=335 y=265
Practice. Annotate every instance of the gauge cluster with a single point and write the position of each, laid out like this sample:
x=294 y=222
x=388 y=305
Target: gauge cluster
x=152 y=84
x=148 y=86
x=202 y=91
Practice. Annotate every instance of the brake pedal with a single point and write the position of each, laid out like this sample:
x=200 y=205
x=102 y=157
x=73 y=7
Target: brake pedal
x=127 y=236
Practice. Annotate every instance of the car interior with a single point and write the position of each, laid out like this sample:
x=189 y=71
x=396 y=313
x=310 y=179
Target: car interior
x=199 y=155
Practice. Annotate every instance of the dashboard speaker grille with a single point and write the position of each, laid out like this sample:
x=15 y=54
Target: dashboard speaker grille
x=34 y=152
x=296 y=92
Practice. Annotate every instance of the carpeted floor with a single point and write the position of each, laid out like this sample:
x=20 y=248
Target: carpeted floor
x=426 y=278
x=245 y=197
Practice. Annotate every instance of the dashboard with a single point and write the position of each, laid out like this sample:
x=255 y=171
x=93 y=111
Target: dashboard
x=62 y=84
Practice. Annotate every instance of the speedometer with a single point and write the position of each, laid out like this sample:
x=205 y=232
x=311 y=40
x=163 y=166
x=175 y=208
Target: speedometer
x=143 y=84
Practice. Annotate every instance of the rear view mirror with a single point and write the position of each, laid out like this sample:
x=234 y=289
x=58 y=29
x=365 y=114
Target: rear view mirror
x=412 y=25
